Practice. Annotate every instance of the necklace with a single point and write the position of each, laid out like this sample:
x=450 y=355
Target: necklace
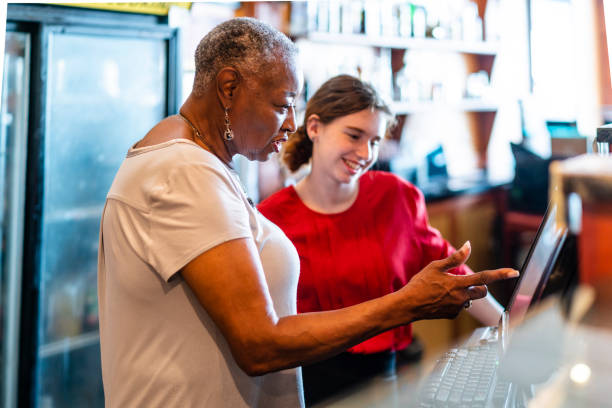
x=197 y=133
x=244 y=190
x=199 y=136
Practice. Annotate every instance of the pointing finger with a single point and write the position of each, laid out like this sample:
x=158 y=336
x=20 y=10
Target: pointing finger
x=486 y=277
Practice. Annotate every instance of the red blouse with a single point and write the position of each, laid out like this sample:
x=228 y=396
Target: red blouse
x=369 y=250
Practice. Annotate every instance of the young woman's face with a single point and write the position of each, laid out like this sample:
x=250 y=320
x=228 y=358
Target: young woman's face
x=346 y=148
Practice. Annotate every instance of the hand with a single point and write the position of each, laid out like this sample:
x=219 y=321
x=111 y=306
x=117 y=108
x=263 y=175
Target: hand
x=433 y=293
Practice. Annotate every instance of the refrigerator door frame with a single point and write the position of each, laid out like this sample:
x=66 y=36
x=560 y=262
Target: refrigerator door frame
x=14 y=243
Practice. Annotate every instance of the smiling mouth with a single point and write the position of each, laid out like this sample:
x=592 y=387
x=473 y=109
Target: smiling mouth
x=352 y=165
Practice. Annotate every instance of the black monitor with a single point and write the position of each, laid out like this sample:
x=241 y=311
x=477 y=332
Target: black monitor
x=563 y=277
x=536 y=271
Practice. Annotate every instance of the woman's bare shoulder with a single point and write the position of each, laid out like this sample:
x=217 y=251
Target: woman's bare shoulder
x=167 y=129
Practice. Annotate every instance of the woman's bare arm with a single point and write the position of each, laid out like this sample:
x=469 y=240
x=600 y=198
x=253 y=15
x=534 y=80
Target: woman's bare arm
x=230 y=284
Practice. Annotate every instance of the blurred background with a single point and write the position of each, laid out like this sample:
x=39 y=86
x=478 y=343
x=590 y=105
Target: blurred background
x=486 y=94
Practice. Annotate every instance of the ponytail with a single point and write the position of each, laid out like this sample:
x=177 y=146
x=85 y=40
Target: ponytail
x=298 y=149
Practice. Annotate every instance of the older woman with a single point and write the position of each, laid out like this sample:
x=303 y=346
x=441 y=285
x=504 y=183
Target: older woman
x=197 y=290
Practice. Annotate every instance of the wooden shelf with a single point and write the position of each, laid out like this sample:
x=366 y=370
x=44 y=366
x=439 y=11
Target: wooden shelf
x=476 y=48
x=68 y=344
x=466 y=105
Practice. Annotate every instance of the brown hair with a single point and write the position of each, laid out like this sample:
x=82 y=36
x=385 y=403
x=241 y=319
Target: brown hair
x=339 y=96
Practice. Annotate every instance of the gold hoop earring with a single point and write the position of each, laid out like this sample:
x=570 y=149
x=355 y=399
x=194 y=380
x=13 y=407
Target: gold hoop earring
x=228 y=134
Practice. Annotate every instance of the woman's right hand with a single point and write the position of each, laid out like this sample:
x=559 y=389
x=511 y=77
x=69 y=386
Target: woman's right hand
x=434 y=293
x=229 y=283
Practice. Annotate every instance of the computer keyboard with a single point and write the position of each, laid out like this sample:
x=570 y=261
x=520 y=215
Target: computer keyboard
x=466 y=377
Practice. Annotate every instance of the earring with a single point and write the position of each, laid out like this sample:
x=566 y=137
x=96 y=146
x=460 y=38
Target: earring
x=228 y=134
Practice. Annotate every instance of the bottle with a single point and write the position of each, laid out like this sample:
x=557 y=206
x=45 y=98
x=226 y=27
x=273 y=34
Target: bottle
x=372 y=18
x=471 y=23
x=335 y=16
x=312 y=8
x=90 y=307
x=604 y=139
x=323 y=17
x=352 y=17
x=419 y=21
x=65 y=309
x=492 y=21
x=387 y=18
x=405 y=20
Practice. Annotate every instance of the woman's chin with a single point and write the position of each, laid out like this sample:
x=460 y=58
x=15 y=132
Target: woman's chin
x=347 y=178
x=263 y=156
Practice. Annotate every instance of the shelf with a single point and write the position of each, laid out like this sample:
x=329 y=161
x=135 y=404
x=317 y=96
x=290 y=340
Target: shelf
x=76 y=214
x=68 y=344
x=466 y=105
x=430 y=44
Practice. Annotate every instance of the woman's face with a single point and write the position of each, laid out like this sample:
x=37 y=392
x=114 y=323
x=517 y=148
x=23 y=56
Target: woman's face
x=265 y=112
x=346 y=148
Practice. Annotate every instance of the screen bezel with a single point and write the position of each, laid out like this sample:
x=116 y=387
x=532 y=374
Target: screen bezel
x=550 y=262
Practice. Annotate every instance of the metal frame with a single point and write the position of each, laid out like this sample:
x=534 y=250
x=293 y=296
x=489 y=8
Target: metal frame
x=32 y=225
x=14 y=249
x=66 y=15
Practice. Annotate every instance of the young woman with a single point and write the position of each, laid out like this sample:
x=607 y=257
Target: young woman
x=360 y=235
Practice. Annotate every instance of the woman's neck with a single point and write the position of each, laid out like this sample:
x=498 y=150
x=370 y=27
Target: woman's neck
x=197 y=112
x=321 y=193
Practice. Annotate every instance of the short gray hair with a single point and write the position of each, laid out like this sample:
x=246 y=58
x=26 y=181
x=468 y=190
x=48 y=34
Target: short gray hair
x=244 y=43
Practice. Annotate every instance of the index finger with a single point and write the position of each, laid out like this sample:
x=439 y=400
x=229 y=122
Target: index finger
x=486 y=277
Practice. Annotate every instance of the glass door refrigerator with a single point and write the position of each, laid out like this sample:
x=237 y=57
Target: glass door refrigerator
x=96 y=86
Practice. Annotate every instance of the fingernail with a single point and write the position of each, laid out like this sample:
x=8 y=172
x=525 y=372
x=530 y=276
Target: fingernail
x=465 y=246
x=512 y=274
